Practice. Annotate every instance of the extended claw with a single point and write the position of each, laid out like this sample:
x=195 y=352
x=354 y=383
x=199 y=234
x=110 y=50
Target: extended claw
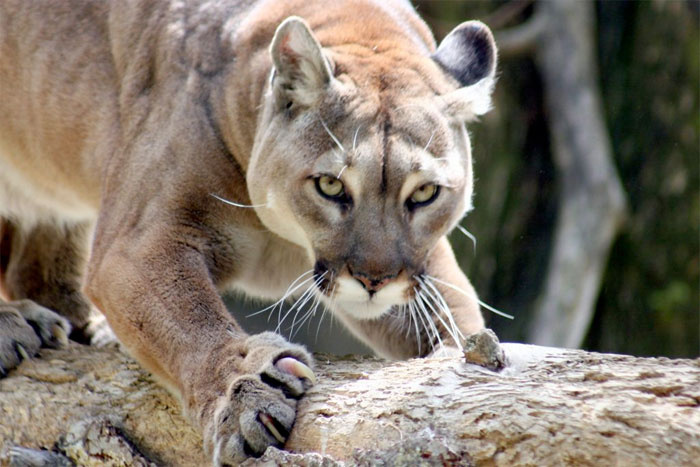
x=266 y=420
x=22 y=352
x=296 y=368
x=59 y=334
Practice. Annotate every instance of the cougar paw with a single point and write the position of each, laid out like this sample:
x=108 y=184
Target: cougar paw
x=24 y=328
x=98 y=331
x=259 y=408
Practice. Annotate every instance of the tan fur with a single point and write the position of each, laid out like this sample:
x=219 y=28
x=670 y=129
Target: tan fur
x=126 y=117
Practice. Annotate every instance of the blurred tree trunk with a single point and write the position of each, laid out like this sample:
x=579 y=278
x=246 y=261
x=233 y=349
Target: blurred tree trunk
x=591 y=198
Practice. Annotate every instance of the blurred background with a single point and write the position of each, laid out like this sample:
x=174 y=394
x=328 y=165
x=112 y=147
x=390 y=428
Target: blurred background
x=587 y=193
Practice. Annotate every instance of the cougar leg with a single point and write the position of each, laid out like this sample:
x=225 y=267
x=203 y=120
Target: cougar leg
x=25 y=326
x=45 y=264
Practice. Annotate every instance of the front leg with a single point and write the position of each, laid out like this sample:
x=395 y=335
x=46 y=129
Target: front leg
x=442 y=272
x=157 y=293
x=443 y=306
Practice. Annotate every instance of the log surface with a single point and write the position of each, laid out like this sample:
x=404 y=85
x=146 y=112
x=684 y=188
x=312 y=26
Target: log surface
x=548 y=407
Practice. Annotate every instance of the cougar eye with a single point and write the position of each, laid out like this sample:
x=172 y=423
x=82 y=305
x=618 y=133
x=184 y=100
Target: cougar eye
x=424 y=195
x=330 y=187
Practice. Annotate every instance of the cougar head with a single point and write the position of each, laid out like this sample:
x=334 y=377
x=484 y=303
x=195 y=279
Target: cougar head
x=362 y=156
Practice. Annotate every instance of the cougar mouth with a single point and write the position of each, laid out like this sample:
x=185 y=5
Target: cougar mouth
x=323 y=277
x=360 y=299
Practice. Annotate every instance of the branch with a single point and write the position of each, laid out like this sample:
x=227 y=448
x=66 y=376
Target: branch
x=592 y=204
x=549 y=406
x=521 y=39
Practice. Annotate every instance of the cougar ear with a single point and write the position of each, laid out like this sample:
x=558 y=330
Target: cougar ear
x=468 y=54
x=302 y=72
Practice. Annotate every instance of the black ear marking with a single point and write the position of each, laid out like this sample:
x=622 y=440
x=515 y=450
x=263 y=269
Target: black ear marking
x=468 y=53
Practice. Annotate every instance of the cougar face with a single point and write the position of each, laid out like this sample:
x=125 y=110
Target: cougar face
x=367 y=186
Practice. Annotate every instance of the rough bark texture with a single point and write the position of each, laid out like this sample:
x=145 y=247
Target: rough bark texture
x=547 y=407
x=592 y=203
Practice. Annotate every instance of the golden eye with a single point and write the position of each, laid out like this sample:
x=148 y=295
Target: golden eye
x=424 y=194
x=330 y=186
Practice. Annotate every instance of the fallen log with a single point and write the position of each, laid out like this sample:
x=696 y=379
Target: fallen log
x=549 y=406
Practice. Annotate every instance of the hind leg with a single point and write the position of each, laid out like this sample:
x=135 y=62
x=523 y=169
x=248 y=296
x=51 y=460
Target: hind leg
x=45 y=264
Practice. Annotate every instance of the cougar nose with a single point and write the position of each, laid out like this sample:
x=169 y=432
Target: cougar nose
x=372 y=285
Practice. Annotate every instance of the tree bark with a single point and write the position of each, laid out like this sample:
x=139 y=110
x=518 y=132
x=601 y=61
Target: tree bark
x=592 y=200
x=547 y=407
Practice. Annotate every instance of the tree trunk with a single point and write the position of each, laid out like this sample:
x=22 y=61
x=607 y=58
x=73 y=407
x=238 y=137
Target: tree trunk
x=592 y=201
x=547 y=407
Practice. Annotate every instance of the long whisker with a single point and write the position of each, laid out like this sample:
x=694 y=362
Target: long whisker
x=307 y=316
x=303 y=298
x=354 y=138
x=430 y=140
x=342 y=170
x=281 y=301
x=415 y=324
x=429 y=303
x=333 y=137
x=405 y=318
x=301 y=301
x=431 y=324
x=426 y=315
x=309 y=293
x=454 y=287
x=436 y=295
x=293 y=332
x=469 y=235
x=286 y=294
x=414 y=309
x=238 y=205
x=325 y=309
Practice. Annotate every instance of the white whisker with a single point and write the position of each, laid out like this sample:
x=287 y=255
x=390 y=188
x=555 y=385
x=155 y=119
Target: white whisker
x=286 y=295
x=468 y=234
x=341 y=171
x=450 y=330
x=307 y=314
x=325 y=309
x=354 y=138
x=454 y=287
x=309 y=296
x=415 y=324
x=443 y=305
x=303 y=299
x=417 y=314
x=330 y=133
x=405 y=318
x=430 y=140
x=420 y=301
x=310 y=313
x=238 y=205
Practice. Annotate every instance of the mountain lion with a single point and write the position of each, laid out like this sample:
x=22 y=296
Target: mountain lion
x=155 y=153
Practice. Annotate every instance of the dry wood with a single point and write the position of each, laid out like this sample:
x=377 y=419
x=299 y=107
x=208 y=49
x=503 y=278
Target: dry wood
x=548 y=407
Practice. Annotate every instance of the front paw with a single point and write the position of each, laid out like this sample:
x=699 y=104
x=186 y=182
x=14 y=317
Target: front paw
x=24 y=328
x=259 y=407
